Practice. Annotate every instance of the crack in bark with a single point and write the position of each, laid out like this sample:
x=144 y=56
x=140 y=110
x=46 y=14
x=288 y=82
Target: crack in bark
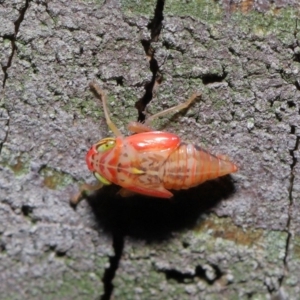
x=109 y=274
x=200 y=272
x=291 y=199
x=5 y=68
x=155 y=26
x=13 y=39
x=214 y=78
x=6 y=130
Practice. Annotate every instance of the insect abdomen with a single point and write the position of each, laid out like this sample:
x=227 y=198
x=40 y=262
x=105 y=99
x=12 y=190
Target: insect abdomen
x=189 y=166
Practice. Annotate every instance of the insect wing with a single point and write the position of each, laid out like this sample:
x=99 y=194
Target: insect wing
x=152 y=149
x=154 y=141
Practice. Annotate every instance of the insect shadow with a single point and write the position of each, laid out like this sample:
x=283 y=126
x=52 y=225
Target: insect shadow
x=154 y=219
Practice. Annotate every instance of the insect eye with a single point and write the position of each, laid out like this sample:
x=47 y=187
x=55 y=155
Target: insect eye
x=105 y=145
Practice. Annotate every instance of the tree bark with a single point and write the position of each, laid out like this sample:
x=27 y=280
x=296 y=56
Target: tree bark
x=233 y=238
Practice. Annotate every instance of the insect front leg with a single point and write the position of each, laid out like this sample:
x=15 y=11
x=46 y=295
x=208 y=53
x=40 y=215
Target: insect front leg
x=101 y=95
x=85 y=190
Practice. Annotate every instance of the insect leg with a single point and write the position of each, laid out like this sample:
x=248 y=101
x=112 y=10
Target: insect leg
x=137 y=127
x=101 y=95
x=223 y=157
x=85 y=189
x=125 y=193
x=176 y=108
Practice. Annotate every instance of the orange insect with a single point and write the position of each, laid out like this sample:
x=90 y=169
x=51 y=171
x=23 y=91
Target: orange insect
x=151 y=162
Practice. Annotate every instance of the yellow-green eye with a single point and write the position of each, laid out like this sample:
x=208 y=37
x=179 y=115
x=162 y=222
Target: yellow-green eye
x=102 y=179
x=105 y=144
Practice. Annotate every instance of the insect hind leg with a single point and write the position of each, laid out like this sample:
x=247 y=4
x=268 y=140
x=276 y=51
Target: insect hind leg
x=173 y=109
x=126 y=193
x=137 y=127
x=223 y=157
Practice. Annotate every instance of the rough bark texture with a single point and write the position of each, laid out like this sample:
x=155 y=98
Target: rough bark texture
x=233 y=238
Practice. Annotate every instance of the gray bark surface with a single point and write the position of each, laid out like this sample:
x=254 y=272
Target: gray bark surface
x=236 y=237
